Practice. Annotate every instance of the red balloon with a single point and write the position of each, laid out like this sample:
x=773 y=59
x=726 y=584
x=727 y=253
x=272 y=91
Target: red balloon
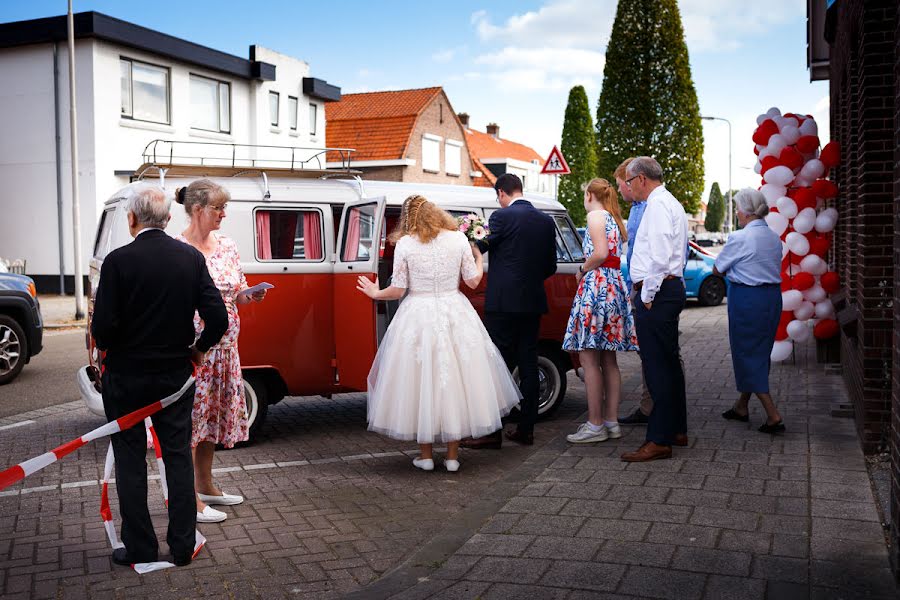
x=807 y=143
x=766 y=129
x=831 y=154
x=790 y=158
x=830 y=282
x=786 y=317
x=818 y=244
x=804 y=198
x=785 y=283
x=824 y=188
x=755 y=150
x=767 y=163
x=825 y=329
x=803 y=281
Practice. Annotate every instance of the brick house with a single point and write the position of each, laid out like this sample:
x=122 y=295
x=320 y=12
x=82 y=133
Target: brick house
x=403 y=135
x=855 y=44
x=493 y=156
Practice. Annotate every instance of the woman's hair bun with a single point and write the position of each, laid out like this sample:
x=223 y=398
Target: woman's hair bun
x=180 y=194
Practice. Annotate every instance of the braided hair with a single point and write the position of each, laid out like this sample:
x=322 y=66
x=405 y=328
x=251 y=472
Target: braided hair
x=423 y=219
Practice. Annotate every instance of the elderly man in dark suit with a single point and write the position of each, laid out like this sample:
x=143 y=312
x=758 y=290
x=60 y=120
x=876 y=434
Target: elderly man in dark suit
x=143 y=318
x=522 y=253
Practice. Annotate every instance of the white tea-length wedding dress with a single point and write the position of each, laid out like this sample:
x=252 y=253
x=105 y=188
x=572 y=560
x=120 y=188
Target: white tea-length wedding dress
x=437 y=375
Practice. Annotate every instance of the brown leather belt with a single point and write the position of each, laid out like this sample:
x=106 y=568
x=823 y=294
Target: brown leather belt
x=637 y=285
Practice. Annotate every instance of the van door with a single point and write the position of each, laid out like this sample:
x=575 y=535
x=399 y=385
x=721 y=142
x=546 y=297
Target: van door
x=356 y=253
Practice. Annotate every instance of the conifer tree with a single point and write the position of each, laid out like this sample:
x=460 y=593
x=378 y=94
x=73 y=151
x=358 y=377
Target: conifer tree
x=578 y=148
x=715 y=209
x=648 y=104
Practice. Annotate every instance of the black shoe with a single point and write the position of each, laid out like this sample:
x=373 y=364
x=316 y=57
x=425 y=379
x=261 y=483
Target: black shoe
x=492 y=441
x=635 y=418
x=773 y=428
x=181 y=561
x=732 y=415
x=515 y=435
x=120 y=556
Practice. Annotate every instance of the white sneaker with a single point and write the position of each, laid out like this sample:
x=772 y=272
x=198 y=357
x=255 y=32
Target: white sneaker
x=223 y=500
x=615 y=432
x=426 y=464
x=452 y=465
x=586 y=435
x=211 y=515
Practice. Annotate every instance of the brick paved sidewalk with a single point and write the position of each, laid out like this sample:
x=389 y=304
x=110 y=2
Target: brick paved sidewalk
x=736 y=515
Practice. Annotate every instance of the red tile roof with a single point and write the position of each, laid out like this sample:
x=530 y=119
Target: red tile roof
x=487 y=178
x=377 y=124
x=482 y=145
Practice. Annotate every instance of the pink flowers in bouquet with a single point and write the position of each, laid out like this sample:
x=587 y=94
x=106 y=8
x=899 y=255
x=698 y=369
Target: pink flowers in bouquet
x=473 y=226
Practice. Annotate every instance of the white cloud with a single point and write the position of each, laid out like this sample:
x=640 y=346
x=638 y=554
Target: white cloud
x=562 y=23
x=448 y=54
x=719 y=25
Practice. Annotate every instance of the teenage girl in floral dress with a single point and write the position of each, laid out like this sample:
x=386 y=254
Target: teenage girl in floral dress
x=601 y=322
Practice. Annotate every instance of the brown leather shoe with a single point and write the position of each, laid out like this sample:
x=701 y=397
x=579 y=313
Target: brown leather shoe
x=649 y=451
x=515 y=435
x=681 y=439
x=491 y=441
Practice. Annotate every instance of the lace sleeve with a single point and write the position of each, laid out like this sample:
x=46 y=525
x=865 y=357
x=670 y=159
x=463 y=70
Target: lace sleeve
x=468 y=270
x=400 y=276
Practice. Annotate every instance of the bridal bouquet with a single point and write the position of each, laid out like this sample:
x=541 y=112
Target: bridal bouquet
x=473 y=226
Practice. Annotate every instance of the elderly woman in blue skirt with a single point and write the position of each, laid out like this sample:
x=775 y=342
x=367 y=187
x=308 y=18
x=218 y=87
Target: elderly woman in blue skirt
x=751 y=260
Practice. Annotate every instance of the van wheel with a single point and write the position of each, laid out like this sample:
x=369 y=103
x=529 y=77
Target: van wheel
x=13 y=349
x=712 y=291
x=257 y=397
x=552 y=386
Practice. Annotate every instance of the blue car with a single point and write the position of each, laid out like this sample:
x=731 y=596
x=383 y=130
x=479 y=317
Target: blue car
x=699 y=280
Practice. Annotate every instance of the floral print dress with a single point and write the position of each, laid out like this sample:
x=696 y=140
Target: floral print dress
x=220 y=409
x=601 y=317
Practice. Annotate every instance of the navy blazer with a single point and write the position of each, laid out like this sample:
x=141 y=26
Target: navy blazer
x=522 y=253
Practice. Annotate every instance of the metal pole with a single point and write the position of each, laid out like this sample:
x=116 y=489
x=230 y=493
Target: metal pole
x=730 y=189
x=59 y=175
x=76 y=210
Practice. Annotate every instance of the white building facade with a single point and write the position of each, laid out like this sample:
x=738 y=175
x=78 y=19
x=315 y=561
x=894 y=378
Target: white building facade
x=133 y=85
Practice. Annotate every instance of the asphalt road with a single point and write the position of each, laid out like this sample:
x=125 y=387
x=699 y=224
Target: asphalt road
x=49 y=379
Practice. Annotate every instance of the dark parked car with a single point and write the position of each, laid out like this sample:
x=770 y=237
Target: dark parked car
x=21 y=327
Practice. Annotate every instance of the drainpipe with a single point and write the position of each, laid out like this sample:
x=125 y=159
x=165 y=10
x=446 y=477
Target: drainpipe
x=59 y=198
x=76 y=207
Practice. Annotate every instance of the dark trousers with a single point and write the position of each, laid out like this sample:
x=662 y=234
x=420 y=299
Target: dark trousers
x=657 y=332
x=516 y=335
x=123 y=394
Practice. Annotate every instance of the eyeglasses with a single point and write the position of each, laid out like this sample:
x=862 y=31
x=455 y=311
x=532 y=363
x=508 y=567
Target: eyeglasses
x=217 y=208
x=630 y=179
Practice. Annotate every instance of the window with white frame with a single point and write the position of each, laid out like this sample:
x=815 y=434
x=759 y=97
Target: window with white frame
x=273 y=108
x=145 y=91
x=431 y=152
x=210 y=104
x=292 y=113
x=453 y=157
x=313 y=118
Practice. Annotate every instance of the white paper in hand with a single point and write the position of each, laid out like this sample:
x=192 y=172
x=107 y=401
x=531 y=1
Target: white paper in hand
x=256 y=288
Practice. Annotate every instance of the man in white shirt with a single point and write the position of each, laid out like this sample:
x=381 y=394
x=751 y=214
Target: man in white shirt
x=656 y=268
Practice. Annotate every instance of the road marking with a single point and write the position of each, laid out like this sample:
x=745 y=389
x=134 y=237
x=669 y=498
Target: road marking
x=19 y=424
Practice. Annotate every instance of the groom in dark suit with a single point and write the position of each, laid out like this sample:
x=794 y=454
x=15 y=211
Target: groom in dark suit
x=522 y=254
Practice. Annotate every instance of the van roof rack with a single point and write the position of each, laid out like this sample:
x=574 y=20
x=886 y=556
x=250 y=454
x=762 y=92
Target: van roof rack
x=171 y=158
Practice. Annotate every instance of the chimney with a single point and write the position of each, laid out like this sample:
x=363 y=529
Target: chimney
x=464 y=119
x=493 y=130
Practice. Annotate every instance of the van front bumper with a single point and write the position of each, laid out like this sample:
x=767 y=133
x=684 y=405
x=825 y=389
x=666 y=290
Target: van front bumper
x=89 y=393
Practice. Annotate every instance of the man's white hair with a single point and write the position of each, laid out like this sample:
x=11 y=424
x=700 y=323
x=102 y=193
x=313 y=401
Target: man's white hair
x=150 y=206
x=646 y=166
x=751 y=202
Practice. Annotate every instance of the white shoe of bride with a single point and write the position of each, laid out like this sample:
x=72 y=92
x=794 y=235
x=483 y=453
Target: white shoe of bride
x=426 y=464
x=452 y=465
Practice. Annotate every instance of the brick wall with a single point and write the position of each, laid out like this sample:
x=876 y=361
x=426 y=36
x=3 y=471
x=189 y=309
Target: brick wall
x=863 y=99
x=438 y=119
x=895 y=412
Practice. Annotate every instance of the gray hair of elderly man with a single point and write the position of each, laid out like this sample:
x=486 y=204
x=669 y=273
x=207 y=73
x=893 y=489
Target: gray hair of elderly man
x=646 y=166
x=751 y=202
x=150 y=206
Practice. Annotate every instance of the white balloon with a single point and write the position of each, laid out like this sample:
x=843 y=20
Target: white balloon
x=815 y=294
x=805 y=310
x=801 y=181
x=761 y=118
x=805 y=220
x=797 y=244
x=779 y=175
x=809 y=127
x=772 y=192
x=782 y=122
x=784 y=250
x=824 y=222
x=813 y=264
x=790 y=132
x=798 y=331
x=787 y=207
x=777 y=222
x=757 y=168
x=781 y=351
x=773 y=112
x=776 y=144
x=813 y=169
x=832 y=213
x=791 y=299
x=824 y=309
x=760 y=147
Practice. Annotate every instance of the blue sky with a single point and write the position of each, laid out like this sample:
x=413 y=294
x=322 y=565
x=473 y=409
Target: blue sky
x=511 y=62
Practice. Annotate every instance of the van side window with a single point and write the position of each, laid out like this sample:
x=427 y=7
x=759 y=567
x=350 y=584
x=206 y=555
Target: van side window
x=357 y=244
x=101 y=244
x=289 y=235
x=568 y=239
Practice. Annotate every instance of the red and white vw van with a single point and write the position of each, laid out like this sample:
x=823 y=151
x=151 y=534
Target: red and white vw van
x=311 y=234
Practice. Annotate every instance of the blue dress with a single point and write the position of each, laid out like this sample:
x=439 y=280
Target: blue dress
x=601 y=317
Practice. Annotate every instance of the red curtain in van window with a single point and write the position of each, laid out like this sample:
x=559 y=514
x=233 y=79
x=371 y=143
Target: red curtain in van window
x=263 y=236
x=351 y=245
x=312 y=235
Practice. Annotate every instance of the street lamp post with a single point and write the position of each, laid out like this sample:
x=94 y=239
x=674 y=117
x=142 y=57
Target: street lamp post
x=730 y=218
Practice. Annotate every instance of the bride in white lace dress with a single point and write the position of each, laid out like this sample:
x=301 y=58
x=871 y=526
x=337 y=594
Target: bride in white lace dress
x=437 y=375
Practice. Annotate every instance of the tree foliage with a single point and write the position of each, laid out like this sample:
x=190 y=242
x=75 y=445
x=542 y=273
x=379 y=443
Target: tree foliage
x=715 y=209
x=578 y=148
x=648 y=104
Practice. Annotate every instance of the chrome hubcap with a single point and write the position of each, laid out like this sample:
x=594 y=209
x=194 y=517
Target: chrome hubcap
x=10 y=347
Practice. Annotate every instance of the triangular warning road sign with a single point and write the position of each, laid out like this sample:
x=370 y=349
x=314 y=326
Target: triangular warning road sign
x=556 y=164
